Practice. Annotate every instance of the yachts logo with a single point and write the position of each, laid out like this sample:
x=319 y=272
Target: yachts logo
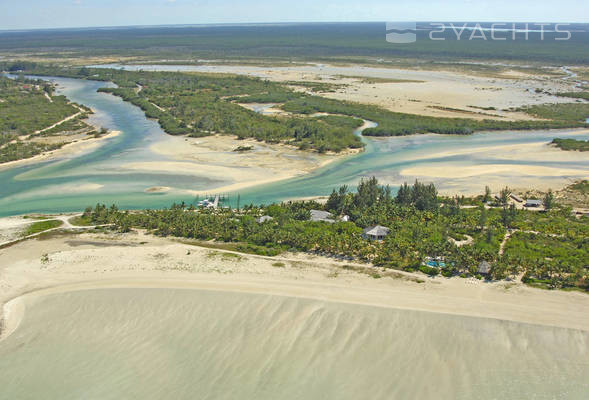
x=406 y=32
x=499 y=31
x=401 y=32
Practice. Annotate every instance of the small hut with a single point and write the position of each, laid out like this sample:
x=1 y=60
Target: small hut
x=376 y=232
x=484 y=268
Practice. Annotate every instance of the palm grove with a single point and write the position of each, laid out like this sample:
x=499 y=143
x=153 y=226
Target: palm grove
x=548 y=248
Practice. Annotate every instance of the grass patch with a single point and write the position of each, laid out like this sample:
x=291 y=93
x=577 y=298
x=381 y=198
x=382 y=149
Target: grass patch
x=582 y=187
x=41 y=226
x=279 y=265
x=81 y=221
x=241 y=149
x=575 y=95
x=225 y=256
x=371 y=80
x=571 y=144
x=35 y=217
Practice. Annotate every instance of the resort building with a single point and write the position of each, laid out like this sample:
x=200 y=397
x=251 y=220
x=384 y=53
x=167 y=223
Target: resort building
x=322 y=216
x=376 y=232
x=533 y=203
x=264 y=218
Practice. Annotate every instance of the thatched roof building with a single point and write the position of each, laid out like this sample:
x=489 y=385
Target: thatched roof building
x=484 y=268
x=376 y=232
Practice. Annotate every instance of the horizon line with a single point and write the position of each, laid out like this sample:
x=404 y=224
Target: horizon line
x=284 y=23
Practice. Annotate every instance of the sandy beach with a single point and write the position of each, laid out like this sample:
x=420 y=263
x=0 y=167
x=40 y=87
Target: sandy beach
x=135 y=260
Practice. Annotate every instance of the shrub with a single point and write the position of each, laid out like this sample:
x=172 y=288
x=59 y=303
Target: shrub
x=431 y=271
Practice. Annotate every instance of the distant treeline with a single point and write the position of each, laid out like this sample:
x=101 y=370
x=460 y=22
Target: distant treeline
x=317 y=41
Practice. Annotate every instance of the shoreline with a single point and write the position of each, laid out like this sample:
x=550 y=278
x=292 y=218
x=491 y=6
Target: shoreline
x=101 y=261
x=214 y=156
x=75 y=148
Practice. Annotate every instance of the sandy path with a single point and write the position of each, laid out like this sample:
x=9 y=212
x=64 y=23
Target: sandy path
x=88 y=261
x=11 y=227
x=80 y=112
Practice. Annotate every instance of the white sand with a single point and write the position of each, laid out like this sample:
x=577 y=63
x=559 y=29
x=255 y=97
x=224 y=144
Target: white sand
x=450 y=170
x=134 y=260
x=213 y=156
x=428 y=93
x=11 y=227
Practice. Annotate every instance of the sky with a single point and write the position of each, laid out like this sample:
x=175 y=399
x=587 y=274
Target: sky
x=34 y=14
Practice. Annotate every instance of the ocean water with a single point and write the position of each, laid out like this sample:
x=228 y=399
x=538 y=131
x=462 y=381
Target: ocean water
x=75 y=182
x=192 y=344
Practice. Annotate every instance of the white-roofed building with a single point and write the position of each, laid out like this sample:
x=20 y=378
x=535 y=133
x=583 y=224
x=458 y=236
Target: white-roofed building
x=376 y=232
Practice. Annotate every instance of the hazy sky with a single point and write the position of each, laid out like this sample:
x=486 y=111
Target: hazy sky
x=24 y=14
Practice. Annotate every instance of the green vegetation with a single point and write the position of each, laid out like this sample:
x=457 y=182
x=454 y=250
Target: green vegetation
x=19 y=150
x=225 y=256
x=317 y=87
x=544 y=245
x=582 y=187
x=241 y=149
x=203 y=104
x=374 y=80
x=27 y=107
x=571 y=144
x=24 y=108
x=82 y=220
x=42 y=226
x=345 y=42
x=561 y=112
x=551 y=261
x=575 y=95
x=396 y=124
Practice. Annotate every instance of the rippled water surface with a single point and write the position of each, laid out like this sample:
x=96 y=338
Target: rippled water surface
x=189 y=344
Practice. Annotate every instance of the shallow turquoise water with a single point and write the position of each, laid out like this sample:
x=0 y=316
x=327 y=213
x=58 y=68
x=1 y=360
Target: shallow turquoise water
x=59 y=185
x=73 y=183
x=193 y=344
